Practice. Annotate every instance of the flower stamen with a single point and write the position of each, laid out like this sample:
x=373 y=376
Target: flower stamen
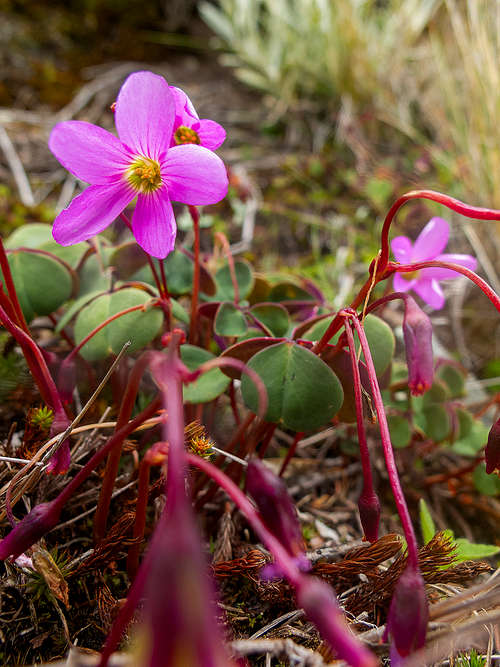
x=144 y=175
x=186 y=135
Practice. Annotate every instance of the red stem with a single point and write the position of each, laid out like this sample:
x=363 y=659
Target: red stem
x=390 y=462
x=36 y=362
x=456 y=205
x=99 y=456
x=358 y=400
x=193 y=334
x=290 y=453
x=477 y=280
x=113 y=461
x=11 y=289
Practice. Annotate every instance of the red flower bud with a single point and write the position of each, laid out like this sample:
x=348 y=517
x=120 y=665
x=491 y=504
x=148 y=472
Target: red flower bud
x=321 y=607
x=275 y=506
x=492 y=450
x=29 y=530
x=417 y=332
x=369 y=513
x=408 y=613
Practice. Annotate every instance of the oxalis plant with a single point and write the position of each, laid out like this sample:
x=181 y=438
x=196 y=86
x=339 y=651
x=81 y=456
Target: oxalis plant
x=270 y=353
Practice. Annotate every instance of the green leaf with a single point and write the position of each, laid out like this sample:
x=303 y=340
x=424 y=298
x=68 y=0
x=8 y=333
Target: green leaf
x=484 y=483
x=230 y=321
x=74 y=308
x=32 y=235
x=453 y=378
x=378 y=333
x=140 y=327
x=209 y=385
x=289 y=291
x=273 y=316
x=42 y=284
x=473 y=442
x=400 y=431
x=466 y=550
x=93 y=277
x=179 y=312
x=179 y=271
x=435 y=422
x=427 y=524
x=303 y=392
x=244 y=278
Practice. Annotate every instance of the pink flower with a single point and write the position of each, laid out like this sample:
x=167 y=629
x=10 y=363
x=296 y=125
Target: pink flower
x=140 y=163
x=428 y=246
x=189 y=129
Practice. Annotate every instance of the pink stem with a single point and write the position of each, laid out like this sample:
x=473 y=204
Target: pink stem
x=193 y=334
x=36 y=363
x=11 y=289
x=290 y=453
x=113 y=461
x=473 y=212
x=386 y=443
x=285 y=561
x=477 y=280
x=358 y=400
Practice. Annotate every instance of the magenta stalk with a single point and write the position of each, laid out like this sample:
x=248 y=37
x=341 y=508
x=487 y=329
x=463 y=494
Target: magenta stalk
x=195 y=215
x=477 y=280
x=386 y=444
x=368 y=504
x=474 y=212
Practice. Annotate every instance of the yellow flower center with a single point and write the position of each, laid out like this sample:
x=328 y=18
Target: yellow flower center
x=185 y=135
x=144 y=175
x=409 y=275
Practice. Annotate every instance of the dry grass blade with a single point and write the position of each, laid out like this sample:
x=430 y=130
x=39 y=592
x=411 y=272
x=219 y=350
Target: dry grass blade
x=279 y=648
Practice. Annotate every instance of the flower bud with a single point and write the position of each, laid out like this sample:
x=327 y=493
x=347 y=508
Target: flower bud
x=492 y=450
x=66 y=381
x=321 y=607
x=417 y=332
x=275 y=506
x=408 y=613
x=29 y=530
x=369 y=513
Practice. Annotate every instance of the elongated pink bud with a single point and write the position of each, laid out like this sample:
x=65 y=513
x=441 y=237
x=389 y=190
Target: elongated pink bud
x=492 y=451
x=408 y=613
x=369 y=513
x=29 y=530
x=417 y=332
x=275 y=506
x=321 y=607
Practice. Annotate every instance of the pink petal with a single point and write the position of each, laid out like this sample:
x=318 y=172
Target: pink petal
x=447 y=274
x=90 y=213
x=90 y=153
x=153 y=223
x=432 y=240
x=194 y=175
x=184 y=110
x=145 y=112
x=430 y=291
x=402 y=285
x=402 y=248
x=212 y=135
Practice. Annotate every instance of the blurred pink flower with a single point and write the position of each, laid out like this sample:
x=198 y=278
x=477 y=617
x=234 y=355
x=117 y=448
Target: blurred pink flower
x=428 y=246
x=140 y=163
x=189 y=129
